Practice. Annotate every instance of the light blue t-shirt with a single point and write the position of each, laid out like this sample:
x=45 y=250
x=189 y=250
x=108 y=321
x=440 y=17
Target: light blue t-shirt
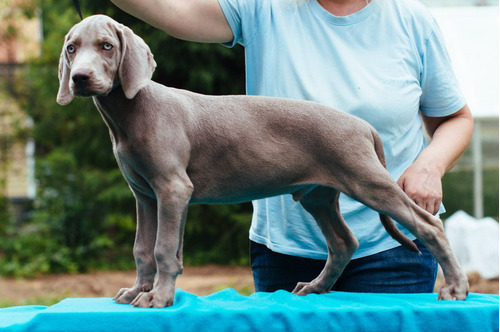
x=385 y=64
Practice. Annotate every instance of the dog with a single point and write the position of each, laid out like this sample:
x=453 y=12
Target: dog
x=175 y=148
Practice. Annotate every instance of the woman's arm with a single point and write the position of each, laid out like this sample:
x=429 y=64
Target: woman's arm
x=193 y=20
x=450 y=137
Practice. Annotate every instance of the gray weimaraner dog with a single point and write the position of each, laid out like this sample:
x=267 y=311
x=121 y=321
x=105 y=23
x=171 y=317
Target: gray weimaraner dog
x=177 y=148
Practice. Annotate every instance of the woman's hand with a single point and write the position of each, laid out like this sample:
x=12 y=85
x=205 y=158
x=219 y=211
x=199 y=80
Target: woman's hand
x=450 y=137
x=423 y=185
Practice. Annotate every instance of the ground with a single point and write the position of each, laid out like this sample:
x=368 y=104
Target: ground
x=203 y=280
x=49 y=289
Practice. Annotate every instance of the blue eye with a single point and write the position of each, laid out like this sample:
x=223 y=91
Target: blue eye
x=71 y=49
x=107 y=46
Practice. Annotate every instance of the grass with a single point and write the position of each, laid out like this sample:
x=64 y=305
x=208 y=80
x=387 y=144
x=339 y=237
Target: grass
x=243 y=290
x=45 y=300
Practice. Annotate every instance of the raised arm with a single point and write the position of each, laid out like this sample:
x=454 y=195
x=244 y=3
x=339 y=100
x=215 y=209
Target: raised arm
x=193 y=20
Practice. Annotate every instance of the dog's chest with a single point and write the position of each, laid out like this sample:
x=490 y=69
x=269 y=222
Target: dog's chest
x=133 y=170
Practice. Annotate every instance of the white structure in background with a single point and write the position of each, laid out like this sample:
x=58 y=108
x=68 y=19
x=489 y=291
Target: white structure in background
x=475 y=243
x=472 y=37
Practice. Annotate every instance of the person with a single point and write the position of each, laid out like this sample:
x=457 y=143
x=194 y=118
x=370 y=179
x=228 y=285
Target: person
x=381 y=60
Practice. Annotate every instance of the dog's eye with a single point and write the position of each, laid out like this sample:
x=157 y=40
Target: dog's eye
x=71 y=49
x=107 y=46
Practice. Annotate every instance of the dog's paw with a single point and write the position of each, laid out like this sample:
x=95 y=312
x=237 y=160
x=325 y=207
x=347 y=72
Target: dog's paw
x=153 y=299
x=454 y=291
x=304 y=288
x=126 y=295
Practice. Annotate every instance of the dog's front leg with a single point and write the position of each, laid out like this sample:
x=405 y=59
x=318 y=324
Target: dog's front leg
x=145 y=239
x=173 y=200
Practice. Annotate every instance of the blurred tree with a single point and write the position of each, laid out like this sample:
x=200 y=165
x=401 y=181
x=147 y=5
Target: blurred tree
x=84 y=211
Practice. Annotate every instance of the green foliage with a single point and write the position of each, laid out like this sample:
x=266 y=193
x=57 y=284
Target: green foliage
x=458 y=192
x=84 y=215
x=5 y=215
x=217 y=234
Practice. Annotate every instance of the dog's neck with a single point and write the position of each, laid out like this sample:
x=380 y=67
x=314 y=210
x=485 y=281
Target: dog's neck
x=118 y=112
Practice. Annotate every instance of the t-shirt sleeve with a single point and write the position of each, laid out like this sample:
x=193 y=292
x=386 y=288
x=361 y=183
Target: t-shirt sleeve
x=441 y=93
x=243 y=18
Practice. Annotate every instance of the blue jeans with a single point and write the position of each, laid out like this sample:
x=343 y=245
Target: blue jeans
x=392 y=271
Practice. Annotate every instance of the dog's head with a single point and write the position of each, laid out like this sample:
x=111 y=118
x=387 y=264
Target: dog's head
x=98 y=55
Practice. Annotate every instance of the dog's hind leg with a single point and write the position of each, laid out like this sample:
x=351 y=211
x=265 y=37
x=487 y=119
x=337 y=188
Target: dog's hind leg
x=387 y=198
x=322 y=203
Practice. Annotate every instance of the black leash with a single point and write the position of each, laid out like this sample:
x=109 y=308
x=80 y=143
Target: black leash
x=77 y=5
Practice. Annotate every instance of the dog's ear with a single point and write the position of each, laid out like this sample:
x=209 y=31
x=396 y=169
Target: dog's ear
x=64 y=95
x=137 y=64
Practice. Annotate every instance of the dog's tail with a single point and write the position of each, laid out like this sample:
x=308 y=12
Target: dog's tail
x=386 y=221
x=397 y=235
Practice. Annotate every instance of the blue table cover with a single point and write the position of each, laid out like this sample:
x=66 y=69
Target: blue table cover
x=227 y=310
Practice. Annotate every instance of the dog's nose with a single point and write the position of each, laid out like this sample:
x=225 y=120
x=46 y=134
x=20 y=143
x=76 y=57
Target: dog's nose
x=80 y=79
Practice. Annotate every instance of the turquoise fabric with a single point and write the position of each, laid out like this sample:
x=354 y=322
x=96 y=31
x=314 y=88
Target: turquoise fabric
x=227 y=310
